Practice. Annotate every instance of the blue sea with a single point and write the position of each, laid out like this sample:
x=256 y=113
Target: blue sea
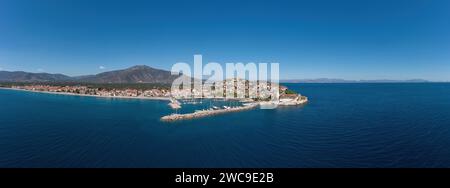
x=343 y=125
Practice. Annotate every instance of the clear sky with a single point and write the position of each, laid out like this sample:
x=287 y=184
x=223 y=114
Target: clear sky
x=349 y=39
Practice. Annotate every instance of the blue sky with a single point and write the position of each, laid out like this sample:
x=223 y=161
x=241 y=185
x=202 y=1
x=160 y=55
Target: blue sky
x=349 y=39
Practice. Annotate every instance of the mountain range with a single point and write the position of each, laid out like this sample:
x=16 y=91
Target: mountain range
x=135 y=74
x=146 y=74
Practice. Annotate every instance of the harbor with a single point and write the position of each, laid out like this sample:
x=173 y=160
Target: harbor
x=209 y=112
x=212 y=108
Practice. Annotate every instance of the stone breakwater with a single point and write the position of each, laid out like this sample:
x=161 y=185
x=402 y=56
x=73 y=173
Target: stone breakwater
x=204 y=113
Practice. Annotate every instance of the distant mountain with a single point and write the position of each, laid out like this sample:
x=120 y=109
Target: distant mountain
x=20 y=76
x=329 y=80
x=319 y=80
x=395 y=81
x=135 y=74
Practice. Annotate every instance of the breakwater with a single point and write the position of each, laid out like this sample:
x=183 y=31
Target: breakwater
x=210 y=112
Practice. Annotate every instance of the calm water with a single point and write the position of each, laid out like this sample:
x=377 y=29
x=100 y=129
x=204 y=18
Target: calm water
x=344 y=125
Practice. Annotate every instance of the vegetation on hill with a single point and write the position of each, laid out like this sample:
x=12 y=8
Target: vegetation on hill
x=135 y=74
x=288 y=91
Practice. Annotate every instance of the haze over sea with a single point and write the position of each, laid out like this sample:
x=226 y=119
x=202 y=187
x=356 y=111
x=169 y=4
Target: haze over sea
x=343 y=125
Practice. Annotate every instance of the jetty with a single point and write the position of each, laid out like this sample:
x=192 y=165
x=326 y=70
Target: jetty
x=209 y=112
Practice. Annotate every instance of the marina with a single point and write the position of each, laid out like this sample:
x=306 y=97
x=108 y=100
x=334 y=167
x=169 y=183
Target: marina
x=212 y=107
x=208 y=112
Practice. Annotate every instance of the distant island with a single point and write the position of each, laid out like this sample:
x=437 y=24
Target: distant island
x=331 y=80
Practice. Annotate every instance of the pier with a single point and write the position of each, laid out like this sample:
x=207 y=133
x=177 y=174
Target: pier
x=210 y=112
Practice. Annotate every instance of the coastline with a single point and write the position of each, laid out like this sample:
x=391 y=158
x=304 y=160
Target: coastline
x=84 y=95
x=174 y=104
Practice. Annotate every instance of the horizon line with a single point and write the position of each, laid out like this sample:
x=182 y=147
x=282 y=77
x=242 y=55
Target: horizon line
x=293 y=80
